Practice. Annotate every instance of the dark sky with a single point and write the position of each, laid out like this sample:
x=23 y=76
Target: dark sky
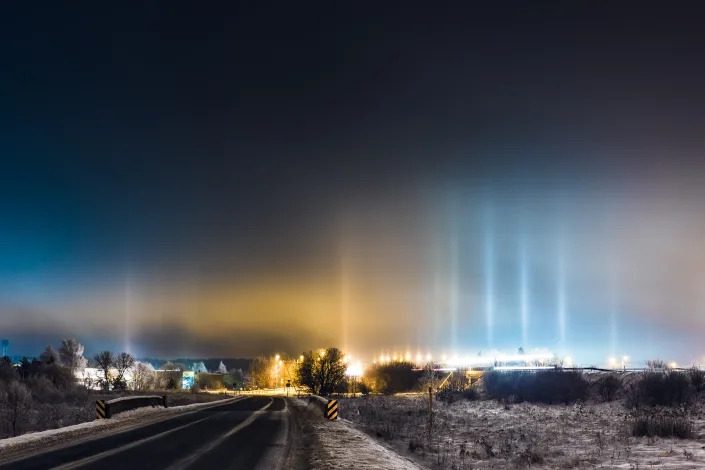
x=237 y=178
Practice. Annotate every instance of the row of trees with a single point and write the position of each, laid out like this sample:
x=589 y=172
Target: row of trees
x=322 y=371
x=106 y=361
x=46 y=382
x=69 y=355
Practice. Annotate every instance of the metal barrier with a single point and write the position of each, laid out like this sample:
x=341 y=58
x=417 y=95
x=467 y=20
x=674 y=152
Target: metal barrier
x=108 y=408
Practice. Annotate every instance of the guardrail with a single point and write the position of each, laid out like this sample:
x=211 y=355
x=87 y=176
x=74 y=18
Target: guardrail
x=107 y=408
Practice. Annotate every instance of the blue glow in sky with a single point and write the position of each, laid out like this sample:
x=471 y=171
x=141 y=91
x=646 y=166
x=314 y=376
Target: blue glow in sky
x=246 y=179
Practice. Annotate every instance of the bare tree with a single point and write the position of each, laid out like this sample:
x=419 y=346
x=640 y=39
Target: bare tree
x=261 y=372
x=656 y=364
x=71 y=355
x=105 y=360
x=322 y=371
x=16 y=399
x=123 y=362
x=143 y=376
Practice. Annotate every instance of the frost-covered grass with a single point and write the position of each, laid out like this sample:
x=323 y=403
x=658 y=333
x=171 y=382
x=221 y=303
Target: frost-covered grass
x=487 y=434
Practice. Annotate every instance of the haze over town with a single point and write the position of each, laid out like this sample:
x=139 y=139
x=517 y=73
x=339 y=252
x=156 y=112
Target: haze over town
x=511 y=180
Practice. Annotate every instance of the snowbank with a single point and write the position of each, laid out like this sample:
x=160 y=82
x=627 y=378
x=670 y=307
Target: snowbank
x=131 y=397
x=338 y=445
x=342 y=446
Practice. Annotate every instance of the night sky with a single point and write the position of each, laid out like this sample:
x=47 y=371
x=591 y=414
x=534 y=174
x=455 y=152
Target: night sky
x=184 y=179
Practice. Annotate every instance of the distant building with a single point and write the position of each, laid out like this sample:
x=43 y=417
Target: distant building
x=5 y=347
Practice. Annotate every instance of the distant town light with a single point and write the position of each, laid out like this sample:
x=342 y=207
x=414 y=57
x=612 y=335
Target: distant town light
x=354 y=369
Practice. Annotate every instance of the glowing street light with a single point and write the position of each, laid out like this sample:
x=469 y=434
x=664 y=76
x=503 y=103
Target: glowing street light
x=354 y=369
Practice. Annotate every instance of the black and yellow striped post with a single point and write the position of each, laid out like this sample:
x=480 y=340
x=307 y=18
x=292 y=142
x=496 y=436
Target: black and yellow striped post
x=332 y=409
x=99 y=409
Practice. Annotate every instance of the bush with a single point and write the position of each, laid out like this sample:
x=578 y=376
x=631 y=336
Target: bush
x=394 y=377
x=119 y=383
x=545 y=386
x=363 y=388
x=457 y=387
x=697 y=378
x=608 y=387
x=16 y=400
x=471 y=394
x=43 y=390
x=662 y=426
x=171 y=383
x=654 y=388
x=448 y=396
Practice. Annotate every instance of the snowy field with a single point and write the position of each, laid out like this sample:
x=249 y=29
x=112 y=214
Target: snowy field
x=485 y=434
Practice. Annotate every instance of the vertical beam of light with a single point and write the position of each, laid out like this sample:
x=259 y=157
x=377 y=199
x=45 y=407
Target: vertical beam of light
x=345 y=299
x=524 y=292
x=561 y=294
x=437 y=296
x=488 y=259
x=614 y=306
x=454 y=294
x=127 y=332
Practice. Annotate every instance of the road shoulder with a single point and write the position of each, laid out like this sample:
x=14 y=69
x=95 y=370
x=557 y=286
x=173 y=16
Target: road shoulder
x=327 y=445
x=53 y=439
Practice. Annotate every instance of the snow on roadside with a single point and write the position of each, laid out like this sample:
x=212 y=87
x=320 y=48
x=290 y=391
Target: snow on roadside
x=116 y=400
x=12 y=446
x=341 y=446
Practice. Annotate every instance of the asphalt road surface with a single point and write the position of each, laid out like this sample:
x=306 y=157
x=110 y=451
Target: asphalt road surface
x=251 y=433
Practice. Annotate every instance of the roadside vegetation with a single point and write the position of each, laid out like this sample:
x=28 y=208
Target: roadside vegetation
x=42 y=393
x=552 y=418
x=46 y=392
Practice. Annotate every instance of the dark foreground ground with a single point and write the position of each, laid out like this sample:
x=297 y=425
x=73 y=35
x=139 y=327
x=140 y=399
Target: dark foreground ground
x=254 y=432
